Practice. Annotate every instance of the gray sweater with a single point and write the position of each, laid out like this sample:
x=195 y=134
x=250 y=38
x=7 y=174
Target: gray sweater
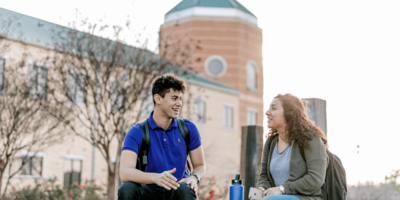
x=307 y=175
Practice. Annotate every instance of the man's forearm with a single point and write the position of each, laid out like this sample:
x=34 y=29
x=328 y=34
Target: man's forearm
x=137 y=176
x=200 y=171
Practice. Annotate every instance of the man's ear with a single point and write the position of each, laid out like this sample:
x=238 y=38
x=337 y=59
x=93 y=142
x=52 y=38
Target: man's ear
x=157 y=98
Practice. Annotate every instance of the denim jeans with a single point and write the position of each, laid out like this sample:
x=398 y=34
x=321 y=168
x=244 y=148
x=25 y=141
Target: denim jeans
x=136 y=191
x=281 y=197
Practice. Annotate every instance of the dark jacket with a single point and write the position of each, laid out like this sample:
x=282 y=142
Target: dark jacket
x=307 y=169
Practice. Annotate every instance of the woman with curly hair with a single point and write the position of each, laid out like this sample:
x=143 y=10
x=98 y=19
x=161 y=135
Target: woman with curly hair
x=294 y=158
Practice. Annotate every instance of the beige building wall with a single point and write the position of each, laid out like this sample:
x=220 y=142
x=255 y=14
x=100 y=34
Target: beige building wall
x=221 y=145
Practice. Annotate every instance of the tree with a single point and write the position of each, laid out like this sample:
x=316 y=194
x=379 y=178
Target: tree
x=24 y=120
x=101 y=87
x=392 y=180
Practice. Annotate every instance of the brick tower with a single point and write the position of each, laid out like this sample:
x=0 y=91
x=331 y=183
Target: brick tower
x=230 y=48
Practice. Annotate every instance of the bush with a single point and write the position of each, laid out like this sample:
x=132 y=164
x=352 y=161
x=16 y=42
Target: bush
x=48 y=189
x=209 y=190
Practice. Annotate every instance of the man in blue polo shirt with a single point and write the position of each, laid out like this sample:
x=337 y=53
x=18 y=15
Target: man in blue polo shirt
x=166 y=175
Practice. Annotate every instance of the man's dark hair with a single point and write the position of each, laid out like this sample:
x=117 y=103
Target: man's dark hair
x=163 y=84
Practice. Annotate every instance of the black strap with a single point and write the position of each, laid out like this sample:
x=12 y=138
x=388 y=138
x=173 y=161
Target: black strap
x=186 y=136
x=144 y=149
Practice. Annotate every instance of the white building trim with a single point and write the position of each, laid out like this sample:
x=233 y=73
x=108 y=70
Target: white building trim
x=210 y=12
x=73 y=157
x=33 y=154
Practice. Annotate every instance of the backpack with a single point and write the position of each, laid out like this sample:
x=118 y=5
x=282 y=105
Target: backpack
x=335 y=186
x=141 y=162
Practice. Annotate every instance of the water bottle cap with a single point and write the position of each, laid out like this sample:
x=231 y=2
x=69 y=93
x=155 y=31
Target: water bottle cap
x=237 y=180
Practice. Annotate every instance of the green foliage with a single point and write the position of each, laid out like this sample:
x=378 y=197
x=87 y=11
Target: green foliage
x=48 y=189
x=392 y=179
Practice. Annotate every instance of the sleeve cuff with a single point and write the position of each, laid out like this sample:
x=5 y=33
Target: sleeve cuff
x=288 y=190
x=130 y=149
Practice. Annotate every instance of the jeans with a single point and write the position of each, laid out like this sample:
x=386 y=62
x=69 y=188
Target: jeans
x=136 y=191
x=281 y=197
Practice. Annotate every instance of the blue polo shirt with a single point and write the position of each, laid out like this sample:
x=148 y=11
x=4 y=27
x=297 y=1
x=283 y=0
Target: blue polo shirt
x=167 y=147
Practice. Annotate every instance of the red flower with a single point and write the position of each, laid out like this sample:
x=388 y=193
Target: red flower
x=71 y=192
x=84 y=185
x=75 y=183
x=212 y=195
x=70 y=198
x=65 y=194
x=79 y=198
x=16 y=191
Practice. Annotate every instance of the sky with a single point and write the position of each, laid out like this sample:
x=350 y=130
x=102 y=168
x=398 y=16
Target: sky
x=346 y=52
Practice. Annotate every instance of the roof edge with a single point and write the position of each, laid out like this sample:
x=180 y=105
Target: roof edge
x=210 y=12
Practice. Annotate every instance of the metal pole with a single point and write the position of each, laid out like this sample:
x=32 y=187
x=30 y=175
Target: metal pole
x=358 y=175
x=251 y=151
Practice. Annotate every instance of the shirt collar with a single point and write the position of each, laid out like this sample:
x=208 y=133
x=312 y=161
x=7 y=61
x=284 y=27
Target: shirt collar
x=153 y=125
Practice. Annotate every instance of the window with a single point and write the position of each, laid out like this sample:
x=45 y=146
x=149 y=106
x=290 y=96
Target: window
x=228 y=116
x=117 y=93
x=215 y=66
x=33 y=163
x=251 y=116
x=76 y=87
x=148 y=104
x=72 y=169
x=251 y=75
x=2 y=69
x=199 y=110
x=37 y=81
x=33 y=166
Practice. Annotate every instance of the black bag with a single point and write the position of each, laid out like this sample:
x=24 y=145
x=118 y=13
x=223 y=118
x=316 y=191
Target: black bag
x=335 y=186
x=144 y=149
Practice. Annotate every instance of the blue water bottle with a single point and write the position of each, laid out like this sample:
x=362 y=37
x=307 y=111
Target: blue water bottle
x=236 y=190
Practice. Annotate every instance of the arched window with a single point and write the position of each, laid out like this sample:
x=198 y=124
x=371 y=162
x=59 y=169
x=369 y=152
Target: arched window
x=251 y=75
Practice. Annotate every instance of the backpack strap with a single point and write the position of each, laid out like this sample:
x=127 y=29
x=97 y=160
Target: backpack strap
x=186 y=136
x=144 y=148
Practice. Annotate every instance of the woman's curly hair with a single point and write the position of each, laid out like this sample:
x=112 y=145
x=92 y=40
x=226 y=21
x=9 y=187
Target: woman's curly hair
x=298 y=127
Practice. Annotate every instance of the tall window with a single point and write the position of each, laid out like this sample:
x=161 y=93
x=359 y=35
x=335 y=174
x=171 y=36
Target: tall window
x=251 y=72
x=2 y=69
x=76 y=87
x=117 y=94
x=228 y=116
x=72 y=170
x=37 y=81
x=199 y=110
x=251 y=116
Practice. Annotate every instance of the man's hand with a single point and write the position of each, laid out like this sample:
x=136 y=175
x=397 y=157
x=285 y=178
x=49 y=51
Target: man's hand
x=192 y=181
x=273 y=191
x=166 y=180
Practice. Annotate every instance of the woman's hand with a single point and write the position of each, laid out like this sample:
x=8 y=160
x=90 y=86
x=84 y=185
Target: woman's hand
x=273 y=191
x=264 y=191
